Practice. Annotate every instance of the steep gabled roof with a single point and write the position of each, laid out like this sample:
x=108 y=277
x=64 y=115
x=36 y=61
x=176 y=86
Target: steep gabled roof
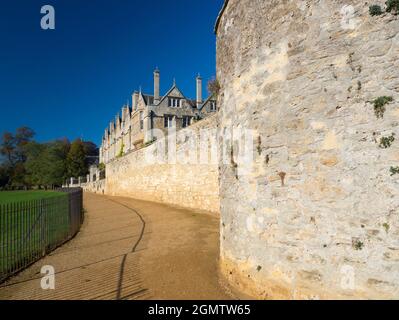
x=192 y=102
x=210 y=98
x=148 y=99
x=170 y=91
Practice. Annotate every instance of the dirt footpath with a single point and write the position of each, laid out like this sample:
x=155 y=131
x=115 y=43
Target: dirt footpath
x=130 y=249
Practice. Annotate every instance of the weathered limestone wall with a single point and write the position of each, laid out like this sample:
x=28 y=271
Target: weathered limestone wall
x=301 y=75
x=189 y=183
x=94 y=187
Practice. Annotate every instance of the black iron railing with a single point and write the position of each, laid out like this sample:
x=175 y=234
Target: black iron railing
x=30 y=230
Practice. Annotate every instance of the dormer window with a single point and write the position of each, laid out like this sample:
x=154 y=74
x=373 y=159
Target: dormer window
x=174 y=103
x=213 y=106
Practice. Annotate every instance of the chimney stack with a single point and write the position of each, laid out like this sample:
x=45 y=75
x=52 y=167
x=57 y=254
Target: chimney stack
x=135 y=100
x=156 y=86
x=199 y=91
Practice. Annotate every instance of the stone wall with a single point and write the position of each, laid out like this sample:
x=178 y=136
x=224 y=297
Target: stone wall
x=148 y=174
x=94 y=187
x=302 y=75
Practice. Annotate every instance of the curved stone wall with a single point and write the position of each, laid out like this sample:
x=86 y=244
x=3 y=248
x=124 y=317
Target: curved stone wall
x=317 y=214
x=188 y=181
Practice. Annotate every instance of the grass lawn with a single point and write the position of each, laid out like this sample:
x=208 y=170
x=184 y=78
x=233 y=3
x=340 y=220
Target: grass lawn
x=19 y=196
x=31 y=222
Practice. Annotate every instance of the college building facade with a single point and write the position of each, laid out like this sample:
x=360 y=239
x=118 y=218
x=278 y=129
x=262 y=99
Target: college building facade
x=150 y=115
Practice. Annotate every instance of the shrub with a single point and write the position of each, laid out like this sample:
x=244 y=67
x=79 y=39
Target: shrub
x=214 y=87
x=358 y=245
x=386 y=142
x=375 y=10
x=121 y=152
x=393 y=6
x=101 y=166
x=394 y=170
x=379 y=106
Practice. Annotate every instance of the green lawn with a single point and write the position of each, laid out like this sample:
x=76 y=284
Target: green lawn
x=19 y=196
x=31 y=223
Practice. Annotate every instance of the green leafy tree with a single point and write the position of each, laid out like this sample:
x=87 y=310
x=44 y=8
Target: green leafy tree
x=23 y=137
x=35 y=166
x=13 y=148
x=56 y=158
x=76 y=159
x=46 y=164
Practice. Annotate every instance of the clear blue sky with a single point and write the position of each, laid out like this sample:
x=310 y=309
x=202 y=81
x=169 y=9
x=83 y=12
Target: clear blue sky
x=70 y=82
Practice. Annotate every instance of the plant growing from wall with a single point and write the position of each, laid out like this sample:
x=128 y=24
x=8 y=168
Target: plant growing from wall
x=386 y=227
x=358 y=245
x=393 y=6
x=120 y=154
x=386 y=142
x=101 y=166
x=394 y=171
x=375 y=10
x=214 y=87
x=379 y=106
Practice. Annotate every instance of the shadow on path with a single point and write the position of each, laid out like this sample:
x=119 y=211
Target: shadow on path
x=122 y=268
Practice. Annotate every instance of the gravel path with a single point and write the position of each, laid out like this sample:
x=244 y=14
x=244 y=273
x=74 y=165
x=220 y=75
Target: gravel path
x=130 y=249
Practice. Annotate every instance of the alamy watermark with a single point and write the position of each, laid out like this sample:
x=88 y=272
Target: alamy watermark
x=47 y=21
x=48 y=281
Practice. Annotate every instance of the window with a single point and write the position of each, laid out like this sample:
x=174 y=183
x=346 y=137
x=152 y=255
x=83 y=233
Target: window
x=186 y=121
x=174 y=103
x=213 y=106
x=141 y=120
x=168 y=121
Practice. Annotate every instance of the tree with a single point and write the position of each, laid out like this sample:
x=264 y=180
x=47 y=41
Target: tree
x=76 y=160
x=56 y=157
x=4 y=176
x=46 y=164
x=26 y=163
x=7 y=147
x=13 y=148
x=92 y=153
x=23 y=136
x=35 y=166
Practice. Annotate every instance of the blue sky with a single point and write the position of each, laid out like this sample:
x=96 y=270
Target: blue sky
x=70 y=82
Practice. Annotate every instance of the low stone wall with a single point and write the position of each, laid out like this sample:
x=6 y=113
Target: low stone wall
x=187 y=182
x=95 y=187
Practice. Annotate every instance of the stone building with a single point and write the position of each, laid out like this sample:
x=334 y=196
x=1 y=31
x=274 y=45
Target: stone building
x=315 y=215
x=150 y=117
